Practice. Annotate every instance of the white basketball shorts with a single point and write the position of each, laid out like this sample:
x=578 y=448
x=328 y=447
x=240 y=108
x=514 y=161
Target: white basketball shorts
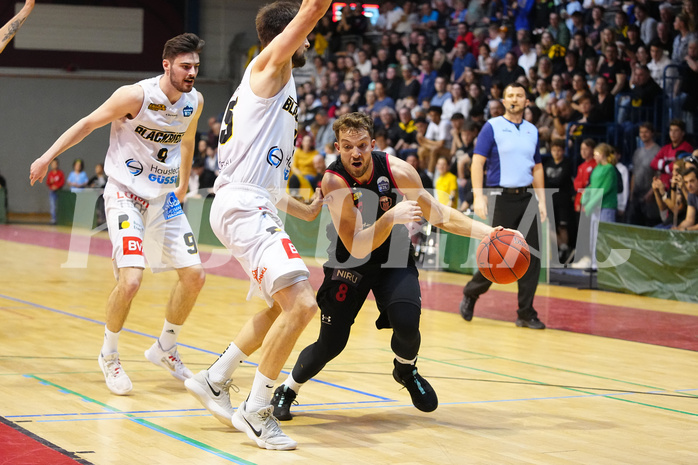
x=247 y=223
x=156 y=230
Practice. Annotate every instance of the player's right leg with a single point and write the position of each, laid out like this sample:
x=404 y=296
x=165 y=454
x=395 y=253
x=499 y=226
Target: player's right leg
x=118 y=306
x=125 y=225
x=257 y=420
x=211 y=387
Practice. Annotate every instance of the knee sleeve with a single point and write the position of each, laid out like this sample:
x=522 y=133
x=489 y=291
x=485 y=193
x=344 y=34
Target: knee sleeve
x=404 y=318
x=314 y=357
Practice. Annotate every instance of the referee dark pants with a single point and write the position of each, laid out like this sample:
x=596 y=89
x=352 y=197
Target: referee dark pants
x=509 y=209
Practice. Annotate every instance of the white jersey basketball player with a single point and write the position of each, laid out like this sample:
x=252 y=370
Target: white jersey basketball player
x=255 y=150
x=151 y=146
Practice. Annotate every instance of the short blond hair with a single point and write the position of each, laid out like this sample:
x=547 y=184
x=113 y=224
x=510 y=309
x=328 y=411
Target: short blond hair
x=357 y=121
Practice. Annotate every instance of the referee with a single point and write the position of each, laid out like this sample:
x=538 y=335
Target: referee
x=507 y=147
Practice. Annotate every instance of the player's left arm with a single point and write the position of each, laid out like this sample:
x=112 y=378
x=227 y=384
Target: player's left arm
x=442 y=216
x=187 y=152
x=539 y=188
x=303 y=211
x=9 y=30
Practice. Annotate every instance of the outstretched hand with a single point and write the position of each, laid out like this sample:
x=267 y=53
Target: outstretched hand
x=38 y=171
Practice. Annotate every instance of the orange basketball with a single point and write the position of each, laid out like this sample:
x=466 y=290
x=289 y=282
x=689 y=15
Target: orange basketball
x=503 y=256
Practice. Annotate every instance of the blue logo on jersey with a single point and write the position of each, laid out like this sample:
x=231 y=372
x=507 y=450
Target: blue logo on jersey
x=187 y=111
x=134 y=166
x=172 y=207
x=383 y=185
x=275 y=157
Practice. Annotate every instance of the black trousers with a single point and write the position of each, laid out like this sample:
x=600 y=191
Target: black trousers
x=509 y=210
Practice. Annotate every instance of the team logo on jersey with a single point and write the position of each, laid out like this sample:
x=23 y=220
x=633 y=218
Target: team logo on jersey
x=358 y=203
x=161 y=137
x=275 y=157
x=163 y=176
x=386 y=202
x=157 y=107
x=287 y=170
x=123 y=222
x=273 y=230
x=187 y=111
x=291 y=106
x=172 y=207
x=133 y=245
x=383 y=184
x=134 y=166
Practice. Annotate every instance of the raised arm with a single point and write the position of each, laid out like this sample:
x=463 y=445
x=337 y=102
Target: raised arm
x=348 y=221
x=272 y=70
x=126 y=101
x=187 y=151
x=9 y=30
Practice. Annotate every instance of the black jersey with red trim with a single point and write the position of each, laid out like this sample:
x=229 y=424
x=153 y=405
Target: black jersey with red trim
x=373 y=199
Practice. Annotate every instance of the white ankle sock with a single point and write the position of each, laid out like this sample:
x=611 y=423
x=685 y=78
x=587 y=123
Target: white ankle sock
x=405 y=361
x=111 y=342
x=293 y=384
x=168 y=337
x=260 y=395
x=223 y=368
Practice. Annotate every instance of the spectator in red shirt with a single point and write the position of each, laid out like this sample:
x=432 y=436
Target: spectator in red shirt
x=664 y=159
x=584 y=171
x=55 y=181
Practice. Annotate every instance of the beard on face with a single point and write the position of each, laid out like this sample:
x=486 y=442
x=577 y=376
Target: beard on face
x=181 y=86
x=298 y=59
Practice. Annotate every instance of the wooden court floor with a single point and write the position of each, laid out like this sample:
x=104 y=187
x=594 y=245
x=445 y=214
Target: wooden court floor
x=507 y=395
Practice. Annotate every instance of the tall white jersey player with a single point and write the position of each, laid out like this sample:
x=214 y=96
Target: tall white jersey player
x=255 y=149
x=151 y=146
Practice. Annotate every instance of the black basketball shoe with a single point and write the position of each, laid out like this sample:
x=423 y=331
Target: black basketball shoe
x=283 y=398
x=423 y=395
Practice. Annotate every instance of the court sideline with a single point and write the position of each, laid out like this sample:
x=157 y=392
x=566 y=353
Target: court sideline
x=612 y=381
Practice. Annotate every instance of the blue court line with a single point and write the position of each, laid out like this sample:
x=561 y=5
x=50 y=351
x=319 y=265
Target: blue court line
x=159 y=429
x=139 y=333
x=162 y=412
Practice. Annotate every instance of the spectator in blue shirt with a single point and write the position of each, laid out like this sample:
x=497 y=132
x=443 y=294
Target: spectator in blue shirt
x=427 y=90
x=461 y=60
x=441 y=94
x=77 y=179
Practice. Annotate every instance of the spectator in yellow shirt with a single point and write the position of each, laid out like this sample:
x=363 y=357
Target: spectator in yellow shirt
x=301 y=183
x=446 y=186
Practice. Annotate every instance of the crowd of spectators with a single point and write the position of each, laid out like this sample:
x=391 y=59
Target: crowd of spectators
x=431 y=73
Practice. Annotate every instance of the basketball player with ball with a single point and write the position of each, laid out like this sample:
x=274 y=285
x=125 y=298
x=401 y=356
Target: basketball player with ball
x=507 y=148
x=371 y=197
